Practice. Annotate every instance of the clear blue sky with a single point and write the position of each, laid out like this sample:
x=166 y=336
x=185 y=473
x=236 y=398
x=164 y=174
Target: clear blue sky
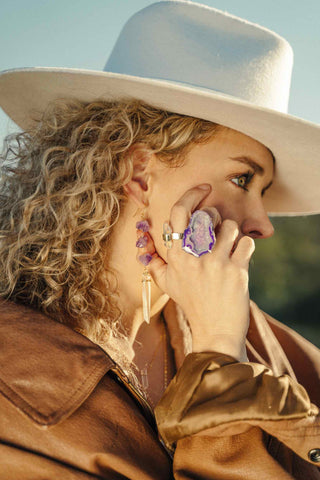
x=81 y=33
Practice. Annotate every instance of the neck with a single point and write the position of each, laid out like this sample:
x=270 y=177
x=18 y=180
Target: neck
x=122 y=255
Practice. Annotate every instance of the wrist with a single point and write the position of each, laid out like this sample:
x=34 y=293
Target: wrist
x=225 y=344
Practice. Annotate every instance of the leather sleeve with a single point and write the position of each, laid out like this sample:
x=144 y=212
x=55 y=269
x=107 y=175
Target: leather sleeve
x=19 y=464
x=230 y=421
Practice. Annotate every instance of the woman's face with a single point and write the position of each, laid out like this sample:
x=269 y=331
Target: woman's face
x=239 y=170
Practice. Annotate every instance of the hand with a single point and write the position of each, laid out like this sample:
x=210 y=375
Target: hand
x=213 y=289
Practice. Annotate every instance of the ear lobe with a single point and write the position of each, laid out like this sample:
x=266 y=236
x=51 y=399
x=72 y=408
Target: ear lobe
x=137 y=187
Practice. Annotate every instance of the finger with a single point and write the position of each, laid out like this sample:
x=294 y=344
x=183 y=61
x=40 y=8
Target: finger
x=214 y=214
x=243 y=252
x=158 y=271
x=183 y=208
x=226 y=237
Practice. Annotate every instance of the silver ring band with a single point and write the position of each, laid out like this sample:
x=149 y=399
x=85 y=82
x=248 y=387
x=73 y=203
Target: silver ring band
x=177 y=236
x=167 y=237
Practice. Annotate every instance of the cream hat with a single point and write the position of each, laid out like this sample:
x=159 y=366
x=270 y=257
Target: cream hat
x=195 y=60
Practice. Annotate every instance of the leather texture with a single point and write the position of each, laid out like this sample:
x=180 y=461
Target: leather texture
x=64 y=413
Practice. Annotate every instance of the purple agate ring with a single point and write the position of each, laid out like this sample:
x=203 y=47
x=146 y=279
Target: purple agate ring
x=197 y=239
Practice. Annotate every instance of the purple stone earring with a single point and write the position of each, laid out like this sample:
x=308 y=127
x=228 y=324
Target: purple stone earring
x=143 y=226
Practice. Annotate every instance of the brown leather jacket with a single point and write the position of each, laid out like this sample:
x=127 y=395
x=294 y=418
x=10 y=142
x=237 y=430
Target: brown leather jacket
x=67 y=411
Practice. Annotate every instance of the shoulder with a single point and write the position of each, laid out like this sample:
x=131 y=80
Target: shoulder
x=47 y=369
x=59 y=409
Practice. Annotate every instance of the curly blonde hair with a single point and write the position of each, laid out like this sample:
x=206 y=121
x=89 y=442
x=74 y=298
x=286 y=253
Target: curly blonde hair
x=61 y=193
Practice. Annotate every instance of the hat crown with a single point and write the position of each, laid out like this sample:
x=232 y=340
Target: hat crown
x=201 y=46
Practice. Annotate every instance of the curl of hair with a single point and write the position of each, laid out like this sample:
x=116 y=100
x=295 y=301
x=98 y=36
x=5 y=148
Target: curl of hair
x=61 y=193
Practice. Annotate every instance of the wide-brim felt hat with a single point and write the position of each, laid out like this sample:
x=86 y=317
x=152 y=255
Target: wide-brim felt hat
x=194 y=60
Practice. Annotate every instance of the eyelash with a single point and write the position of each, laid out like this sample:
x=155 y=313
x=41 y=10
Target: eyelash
x=248 y=175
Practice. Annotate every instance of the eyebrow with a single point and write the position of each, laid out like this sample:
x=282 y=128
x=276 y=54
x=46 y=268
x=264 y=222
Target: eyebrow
x=248 y=161
x=258 y=169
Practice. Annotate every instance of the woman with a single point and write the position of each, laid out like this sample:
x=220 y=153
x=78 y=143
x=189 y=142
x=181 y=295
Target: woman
x=104 y=190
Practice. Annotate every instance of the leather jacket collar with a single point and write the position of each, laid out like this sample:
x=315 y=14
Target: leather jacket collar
x=47 y=369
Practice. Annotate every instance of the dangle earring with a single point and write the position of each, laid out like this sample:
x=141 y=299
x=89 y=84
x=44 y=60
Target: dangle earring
x=142 y=228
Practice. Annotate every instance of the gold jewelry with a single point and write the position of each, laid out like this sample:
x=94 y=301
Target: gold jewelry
x=165 y=353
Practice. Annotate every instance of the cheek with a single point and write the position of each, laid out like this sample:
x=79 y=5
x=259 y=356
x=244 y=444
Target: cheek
x=167 y=192
x=228 y=203
x=164 y=196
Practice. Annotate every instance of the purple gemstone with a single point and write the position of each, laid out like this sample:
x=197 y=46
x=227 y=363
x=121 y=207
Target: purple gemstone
x=142 y=241
x=198 y=237
x=145 y=259
x=143 y=225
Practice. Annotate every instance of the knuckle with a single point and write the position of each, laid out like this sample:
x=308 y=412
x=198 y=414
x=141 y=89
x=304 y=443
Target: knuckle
x=231 y=270
x=240 y=274
x=178 y=210
x=219 y=263
x=245 y=280
x=243 y=274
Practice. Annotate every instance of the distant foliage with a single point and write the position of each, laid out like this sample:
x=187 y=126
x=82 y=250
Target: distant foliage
x=285 y=274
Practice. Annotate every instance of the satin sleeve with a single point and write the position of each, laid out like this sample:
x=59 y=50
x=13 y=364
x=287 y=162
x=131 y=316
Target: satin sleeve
x=230 y=421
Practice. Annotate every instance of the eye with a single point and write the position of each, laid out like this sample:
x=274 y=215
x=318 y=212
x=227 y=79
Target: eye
x=242 y=180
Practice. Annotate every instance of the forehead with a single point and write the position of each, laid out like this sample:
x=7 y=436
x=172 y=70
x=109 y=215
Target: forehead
x=236 y=145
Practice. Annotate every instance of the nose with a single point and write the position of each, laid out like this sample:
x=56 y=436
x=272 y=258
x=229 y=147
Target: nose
x=257 y=224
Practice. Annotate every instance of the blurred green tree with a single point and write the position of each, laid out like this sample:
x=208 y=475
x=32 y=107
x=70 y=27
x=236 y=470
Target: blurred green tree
x=285 y=274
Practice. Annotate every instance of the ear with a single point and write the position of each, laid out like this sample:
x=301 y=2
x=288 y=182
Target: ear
x=137 y=188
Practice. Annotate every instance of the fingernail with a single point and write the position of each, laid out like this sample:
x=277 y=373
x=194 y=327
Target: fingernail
x=205 y=186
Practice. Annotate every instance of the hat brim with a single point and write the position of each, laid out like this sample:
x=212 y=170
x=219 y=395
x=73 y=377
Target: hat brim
x=295 y=143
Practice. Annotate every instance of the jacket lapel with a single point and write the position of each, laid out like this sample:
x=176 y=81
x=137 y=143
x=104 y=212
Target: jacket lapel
x=55 y=369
